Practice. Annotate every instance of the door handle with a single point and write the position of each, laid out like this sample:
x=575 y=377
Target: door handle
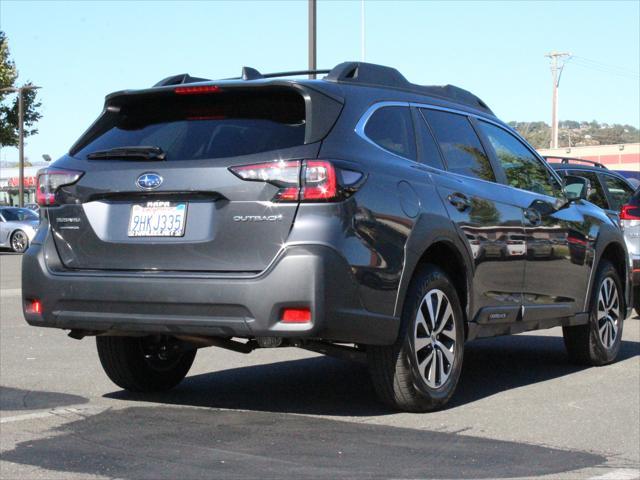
x=533 y=216
x=460 y=201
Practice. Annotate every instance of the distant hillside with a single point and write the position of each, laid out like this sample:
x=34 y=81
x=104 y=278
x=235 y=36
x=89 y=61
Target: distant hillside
x=577 y=134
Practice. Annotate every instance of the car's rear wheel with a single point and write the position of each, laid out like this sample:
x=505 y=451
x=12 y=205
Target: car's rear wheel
x=419 y=373
x=19 y=241
x=144 y=364
x=598 y=342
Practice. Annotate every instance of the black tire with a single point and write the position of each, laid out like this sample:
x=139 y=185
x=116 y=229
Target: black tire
x=127 y=362
x=584 y=343
x=395 y=369
x=19 y=247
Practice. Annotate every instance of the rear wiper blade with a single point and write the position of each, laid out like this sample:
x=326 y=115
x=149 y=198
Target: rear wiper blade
x=142 y=153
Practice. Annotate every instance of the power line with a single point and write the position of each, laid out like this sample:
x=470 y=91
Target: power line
x=604 y=66
x=607 y=70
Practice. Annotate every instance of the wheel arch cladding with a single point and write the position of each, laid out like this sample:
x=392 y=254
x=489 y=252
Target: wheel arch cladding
x=615 y=253
x=446 y=255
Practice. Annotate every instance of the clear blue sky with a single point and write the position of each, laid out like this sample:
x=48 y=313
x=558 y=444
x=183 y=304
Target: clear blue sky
x=80 y=51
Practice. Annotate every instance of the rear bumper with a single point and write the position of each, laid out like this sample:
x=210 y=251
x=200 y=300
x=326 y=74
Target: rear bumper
x=311 y=276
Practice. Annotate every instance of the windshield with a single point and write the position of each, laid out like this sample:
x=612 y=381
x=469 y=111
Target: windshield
x=18 y=214
x=193 y=127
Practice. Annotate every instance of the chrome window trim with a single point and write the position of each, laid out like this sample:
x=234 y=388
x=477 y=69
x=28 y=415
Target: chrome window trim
x=362 y=123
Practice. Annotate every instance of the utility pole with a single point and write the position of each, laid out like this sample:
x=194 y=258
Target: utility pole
x=20 y=92
x=312 y=37
x=556 y=73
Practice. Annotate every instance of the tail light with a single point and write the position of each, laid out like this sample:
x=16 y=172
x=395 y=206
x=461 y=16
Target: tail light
x=630 y=212
x=50 y=180
x=305 y=181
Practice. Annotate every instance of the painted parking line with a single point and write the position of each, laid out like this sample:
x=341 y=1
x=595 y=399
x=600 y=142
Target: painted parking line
x=619 y=474
x=56 y=412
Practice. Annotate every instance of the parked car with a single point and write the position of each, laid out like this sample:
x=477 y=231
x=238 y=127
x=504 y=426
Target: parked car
x=17 y=228
x=609 y=188
x=633 y=177
x=328 y=214
x=33 y=207
x=630 y=221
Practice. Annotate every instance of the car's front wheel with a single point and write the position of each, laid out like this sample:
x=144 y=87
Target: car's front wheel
x=598 y=342
x=19 y=241
x=419 y=373
x=144 y=364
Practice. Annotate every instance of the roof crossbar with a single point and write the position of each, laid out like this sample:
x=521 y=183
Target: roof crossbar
x=362 y=73
x=568 y=160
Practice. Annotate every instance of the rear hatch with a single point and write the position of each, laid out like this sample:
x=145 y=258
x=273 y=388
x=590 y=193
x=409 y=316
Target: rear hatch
x=157 y=192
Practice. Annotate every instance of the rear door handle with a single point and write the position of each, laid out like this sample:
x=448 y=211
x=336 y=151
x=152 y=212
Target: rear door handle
x=459 y=200
x=533 y=216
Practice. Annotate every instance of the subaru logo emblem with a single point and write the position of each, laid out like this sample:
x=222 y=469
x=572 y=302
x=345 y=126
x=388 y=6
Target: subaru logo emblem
x=149 y=181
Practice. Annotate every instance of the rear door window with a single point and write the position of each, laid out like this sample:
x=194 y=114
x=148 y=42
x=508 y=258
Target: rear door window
x=206 y=126
x=428 y=151
x=391 y=128
x=459 y=144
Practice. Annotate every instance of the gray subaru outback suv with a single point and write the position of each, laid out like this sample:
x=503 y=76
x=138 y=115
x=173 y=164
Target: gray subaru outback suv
x=357 y=215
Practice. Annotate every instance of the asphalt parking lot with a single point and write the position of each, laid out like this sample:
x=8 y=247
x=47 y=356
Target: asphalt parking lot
x=520 y=411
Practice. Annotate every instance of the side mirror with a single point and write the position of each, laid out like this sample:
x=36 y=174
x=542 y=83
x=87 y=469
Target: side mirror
x=576 y=188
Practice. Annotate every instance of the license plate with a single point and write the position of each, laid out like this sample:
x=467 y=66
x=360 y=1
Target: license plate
x=157 y=219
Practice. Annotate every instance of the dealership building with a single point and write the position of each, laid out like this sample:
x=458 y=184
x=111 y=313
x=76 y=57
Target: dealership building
x=10 y=183
x=615 y=157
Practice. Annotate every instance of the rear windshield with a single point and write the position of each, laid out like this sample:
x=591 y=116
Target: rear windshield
x=193 y=127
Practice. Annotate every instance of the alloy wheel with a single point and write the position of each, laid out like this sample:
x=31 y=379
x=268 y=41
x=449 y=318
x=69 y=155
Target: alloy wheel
x=435 y=338
x=608 y=314
x=19 y=242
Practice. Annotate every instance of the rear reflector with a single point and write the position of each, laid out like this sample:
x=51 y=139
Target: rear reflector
x=34 y=306
x=197 y=90
x=296 y=315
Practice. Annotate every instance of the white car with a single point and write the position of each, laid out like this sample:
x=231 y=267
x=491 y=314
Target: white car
x=630 y=222
x=17 y=228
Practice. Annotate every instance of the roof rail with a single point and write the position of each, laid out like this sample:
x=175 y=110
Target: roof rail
x=179 y=79
x=568 y=160
x=373 y=74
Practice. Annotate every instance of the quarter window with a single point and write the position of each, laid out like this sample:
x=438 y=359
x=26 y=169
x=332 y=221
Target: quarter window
x=459 y=144
x=392 y=129
x=521 y=167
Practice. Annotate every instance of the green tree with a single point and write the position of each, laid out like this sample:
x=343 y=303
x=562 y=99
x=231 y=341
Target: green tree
x=9 y=100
